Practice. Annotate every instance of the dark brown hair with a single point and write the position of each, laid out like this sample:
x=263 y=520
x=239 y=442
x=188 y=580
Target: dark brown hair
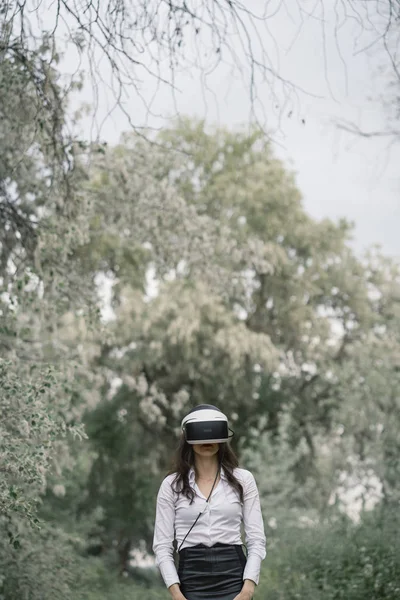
x=184 y=460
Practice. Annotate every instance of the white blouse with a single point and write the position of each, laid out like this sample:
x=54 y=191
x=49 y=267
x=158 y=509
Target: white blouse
x=220 y=522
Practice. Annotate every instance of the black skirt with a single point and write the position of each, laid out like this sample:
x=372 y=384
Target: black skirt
x=211 y=572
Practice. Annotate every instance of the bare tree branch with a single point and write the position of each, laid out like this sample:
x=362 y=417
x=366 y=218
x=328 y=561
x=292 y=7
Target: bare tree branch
x=157 y=38
x=355 y=130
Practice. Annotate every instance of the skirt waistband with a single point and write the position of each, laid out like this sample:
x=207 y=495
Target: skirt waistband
x=204 y=548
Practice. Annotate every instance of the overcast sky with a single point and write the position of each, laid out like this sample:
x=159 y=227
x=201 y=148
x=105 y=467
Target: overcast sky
x=338 y=174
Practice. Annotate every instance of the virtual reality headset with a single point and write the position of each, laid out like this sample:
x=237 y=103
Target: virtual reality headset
x=205 y=424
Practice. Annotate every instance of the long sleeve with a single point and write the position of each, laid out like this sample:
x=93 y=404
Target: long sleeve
x=164 y=534
x=254 y=530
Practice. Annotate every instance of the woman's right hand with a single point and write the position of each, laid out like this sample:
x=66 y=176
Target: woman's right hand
x=175 y=592
x=179 y=596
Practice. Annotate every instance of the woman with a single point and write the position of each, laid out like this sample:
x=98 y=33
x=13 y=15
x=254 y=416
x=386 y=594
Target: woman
x=201 y=504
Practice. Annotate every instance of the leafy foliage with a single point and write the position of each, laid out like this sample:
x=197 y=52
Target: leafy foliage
x=335 y=562
x=30 y=429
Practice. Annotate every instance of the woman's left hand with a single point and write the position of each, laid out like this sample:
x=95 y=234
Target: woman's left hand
x=247 y=590
x=244 y=595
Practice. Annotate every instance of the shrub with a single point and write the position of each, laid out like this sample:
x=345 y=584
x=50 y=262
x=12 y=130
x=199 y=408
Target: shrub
x=336 y=561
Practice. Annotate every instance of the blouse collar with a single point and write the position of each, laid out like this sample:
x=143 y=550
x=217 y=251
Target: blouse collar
x=192 y=474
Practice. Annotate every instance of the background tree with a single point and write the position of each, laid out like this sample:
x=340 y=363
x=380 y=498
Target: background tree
x=218 y=328
x=42 y=220
x=272 y=347
x=38 y=202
